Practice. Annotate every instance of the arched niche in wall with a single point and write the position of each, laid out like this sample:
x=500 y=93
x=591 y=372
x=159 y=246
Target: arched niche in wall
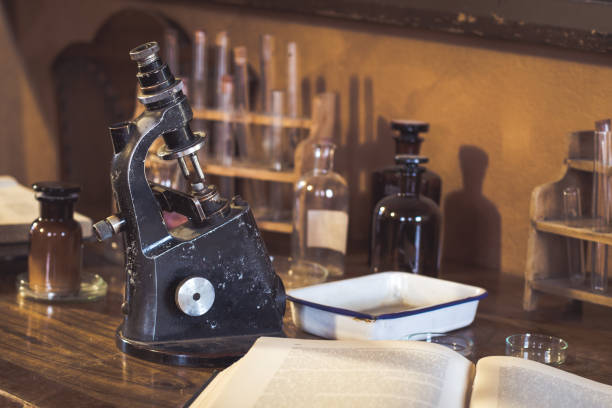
x=95 y=87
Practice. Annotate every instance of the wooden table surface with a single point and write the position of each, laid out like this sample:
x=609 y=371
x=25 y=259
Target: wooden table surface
x=65 y=355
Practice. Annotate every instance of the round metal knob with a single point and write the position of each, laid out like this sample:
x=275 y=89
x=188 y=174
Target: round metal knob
x=195 y=296
x=108 y=227
x=103 y=230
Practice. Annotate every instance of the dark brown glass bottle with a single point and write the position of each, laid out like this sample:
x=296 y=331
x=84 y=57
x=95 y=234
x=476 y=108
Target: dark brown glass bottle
x=407 y=141
x=406 y=226
x=54 y=260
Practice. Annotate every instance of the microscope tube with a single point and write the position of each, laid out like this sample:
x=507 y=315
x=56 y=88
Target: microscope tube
x=198 y=77
x=602 y=214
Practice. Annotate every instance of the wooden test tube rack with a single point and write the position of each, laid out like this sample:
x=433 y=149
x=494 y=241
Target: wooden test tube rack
x=547 y=264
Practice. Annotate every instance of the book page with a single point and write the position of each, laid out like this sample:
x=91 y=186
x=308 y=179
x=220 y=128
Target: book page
x=298 y=373
x=510 y=382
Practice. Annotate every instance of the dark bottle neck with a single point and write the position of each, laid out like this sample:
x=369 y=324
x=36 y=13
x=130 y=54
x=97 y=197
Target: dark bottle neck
x=61 y=210
x=411 y=183
x=412 y=146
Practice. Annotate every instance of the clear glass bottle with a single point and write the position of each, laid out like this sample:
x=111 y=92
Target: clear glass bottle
x=323 y=116
x=320 y=216
x=387 y=181
x=406 y=226
x=54 y=259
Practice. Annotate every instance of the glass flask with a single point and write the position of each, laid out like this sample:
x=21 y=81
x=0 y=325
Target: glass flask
x=406 y=226
x=322 y=129
x=54 y=260
x=320 y=216
x=386 y=181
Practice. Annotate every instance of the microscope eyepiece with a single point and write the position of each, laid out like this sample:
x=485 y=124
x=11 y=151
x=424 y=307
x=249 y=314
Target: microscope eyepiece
x=145 y=53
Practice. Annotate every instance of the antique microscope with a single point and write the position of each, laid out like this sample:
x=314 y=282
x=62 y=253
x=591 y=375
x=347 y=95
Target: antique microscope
x=200 y=293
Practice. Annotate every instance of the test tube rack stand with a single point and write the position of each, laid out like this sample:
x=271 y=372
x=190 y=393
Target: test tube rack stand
x=546 y=270
x=244 y=170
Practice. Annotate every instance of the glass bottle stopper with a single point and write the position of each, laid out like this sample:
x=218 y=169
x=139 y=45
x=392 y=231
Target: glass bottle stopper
x=409 y=129
x=56 y=190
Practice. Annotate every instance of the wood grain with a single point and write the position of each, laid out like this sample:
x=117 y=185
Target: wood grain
x=252 y=118
x=254 y=173
x=65 y=355
x=584 y=231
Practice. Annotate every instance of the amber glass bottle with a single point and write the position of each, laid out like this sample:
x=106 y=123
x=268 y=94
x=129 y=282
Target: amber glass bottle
x=406 y=226
x=407 y=141
x=54 y=261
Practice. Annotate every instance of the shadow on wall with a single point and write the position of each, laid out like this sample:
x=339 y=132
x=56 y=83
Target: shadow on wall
x=472 y=223
x=362 y=154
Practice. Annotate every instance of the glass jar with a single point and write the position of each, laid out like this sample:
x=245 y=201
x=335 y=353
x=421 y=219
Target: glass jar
x=320 y=216
x=54 y=260
x=406 y=226
x=387 y=181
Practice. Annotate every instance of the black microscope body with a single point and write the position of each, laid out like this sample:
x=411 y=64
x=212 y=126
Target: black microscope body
x=200 y=293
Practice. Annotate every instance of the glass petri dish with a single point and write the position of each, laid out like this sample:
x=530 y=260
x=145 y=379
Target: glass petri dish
x=298 y=274
x=93 y=287
x=455 y=342
x=537 y=347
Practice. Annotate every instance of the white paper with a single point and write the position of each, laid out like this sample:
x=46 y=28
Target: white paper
x=327 y=229
x=320 y=373
x=510 y=382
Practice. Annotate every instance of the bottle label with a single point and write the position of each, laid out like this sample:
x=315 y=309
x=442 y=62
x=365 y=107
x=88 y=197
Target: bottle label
x=327 y=229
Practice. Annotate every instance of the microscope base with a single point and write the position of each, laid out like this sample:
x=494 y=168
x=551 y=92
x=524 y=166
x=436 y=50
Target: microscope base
x=205 y=352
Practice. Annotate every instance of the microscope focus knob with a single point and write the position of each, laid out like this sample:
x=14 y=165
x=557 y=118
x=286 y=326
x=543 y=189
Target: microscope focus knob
x=108 y=227
x=195 y=296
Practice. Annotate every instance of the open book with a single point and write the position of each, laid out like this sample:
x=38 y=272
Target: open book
x=296 y=373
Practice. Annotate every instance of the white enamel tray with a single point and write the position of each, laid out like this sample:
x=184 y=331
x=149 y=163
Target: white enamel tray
x=384 y=306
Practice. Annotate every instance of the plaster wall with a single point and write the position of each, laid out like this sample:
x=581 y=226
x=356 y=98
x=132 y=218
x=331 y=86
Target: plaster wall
x=507 y=107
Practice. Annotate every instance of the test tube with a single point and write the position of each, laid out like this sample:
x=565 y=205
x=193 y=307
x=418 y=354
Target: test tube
x=292 y=80
x=572 y=212
x=198 y=76
x=224 y=140
x=275 y=138
x=267 y=72
x=602 y=214
x=241 y=100
x=275 y=131
x=224 y=143
x=171 y=50
x=292 y=99
x=222 y=42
